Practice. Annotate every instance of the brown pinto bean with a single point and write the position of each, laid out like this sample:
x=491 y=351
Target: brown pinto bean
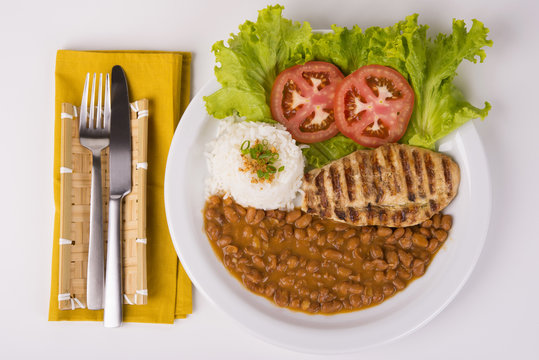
x=380 y=264
x=305 y=303
x=388 y=290
x=437 y=221
x=352 y=243
x=240 y=210
x=321 y=241
x=230 y=250
x=331 y=307
x=404 y=274
x=272 y=263
x=258 y=262
x=383 y=231
x=418 y=267
x=287 y=281
x=319 y=227
x=312 y=233
x=405 y=242
x=447 y=222
x=325 y=295
x=314 y=250
x=247 y=232
x=214 y=200
x=224 y=241
x=331 y=254
x=433 y=245
x=301 y=273
x=368 y=265
x=426 y=232
x=331 y=236
x=269 y=289
x=263 y=234
x=213 y=230
x=303 y=221
x=398 y=233
x=254 y=275
x=313 y=295
x=420 y=240
x=349 y=233
x=295 y=302
x=300 y=234
x=392 y=259
x=343 y=271
x=211 y=214
x=376 y=252
x=281 y=266
x=357 y=254
x=365 y=238
x=355 y=288
x=426 y=223
x=292 y=262
x=292 y=216
x=313 y=266
x=399 y=284
x=441 y=235
x=250 y=215
x=355 y=300
x=405 y=258
x=288 y=231
x=391 y=274
x=281 y=297
x=284 y=255
x=260 y=214
x=377 y=296
x=379 y=277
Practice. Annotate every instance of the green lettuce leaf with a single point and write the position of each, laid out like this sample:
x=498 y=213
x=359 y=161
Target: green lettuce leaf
x=322 y=153
x=440 y=107
x=253 y=59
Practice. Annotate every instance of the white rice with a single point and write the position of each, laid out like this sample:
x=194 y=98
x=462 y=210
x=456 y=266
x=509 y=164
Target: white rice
x=224 y=161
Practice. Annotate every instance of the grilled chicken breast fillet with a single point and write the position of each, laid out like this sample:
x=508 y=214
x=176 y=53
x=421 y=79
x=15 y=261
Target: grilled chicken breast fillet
x=393 y=185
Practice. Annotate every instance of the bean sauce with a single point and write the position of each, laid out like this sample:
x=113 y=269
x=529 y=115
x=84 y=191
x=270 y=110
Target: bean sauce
x=314 y=265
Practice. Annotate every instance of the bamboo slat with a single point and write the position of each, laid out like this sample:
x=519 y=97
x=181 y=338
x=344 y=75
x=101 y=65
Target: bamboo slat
x=75 y=211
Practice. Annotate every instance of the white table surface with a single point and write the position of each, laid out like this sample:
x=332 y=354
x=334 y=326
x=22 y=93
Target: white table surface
x=495 y=316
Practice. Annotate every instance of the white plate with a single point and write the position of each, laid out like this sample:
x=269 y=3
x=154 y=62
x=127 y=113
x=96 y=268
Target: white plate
x=402 y=314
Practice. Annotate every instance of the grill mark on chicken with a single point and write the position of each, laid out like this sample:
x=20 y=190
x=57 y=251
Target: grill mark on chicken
x=389 y=157
x=447 y=175
x=378 y=182
x=431 y=174
x=349 y=178
x=407 y=174
x=394 y=170
x=321 y=192
x=353 y=214
x=419 y=173
x=336 y=184
x=362 y=170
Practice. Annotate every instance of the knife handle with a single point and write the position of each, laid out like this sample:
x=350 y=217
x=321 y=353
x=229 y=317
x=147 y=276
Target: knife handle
x=113 y=282
x=96 y=257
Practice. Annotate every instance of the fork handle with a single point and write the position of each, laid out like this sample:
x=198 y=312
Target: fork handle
x=96 y=258
x=113 y=282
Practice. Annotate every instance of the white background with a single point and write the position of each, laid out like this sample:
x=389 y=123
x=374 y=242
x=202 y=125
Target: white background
x=495 y=316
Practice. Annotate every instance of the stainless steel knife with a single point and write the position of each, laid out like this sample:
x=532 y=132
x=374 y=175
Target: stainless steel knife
x=120 y=185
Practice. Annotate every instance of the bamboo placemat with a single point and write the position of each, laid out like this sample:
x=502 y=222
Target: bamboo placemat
x=75 y=180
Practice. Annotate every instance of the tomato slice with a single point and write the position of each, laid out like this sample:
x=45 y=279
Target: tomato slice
x=302 y=100
x=373 y=105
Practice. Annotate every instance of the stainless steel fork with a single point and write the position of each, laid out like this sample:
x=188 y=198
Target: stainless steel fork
x=94 y=133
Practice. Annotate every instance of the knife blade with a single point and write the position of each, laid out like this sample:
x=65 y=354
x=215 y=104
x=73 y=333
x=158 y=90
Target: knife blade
x=120 y=185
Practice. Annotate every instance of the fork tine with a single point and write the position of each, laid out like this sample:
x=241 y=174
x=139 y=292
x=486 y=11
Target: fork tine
x=83 y=120
x=106 y=122
x=92 y=104
x=99 y=120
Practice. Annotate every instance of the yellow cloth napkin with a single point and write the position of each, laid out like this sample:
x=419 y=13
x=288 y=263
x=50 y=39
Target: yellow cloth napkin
x=164 y=79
